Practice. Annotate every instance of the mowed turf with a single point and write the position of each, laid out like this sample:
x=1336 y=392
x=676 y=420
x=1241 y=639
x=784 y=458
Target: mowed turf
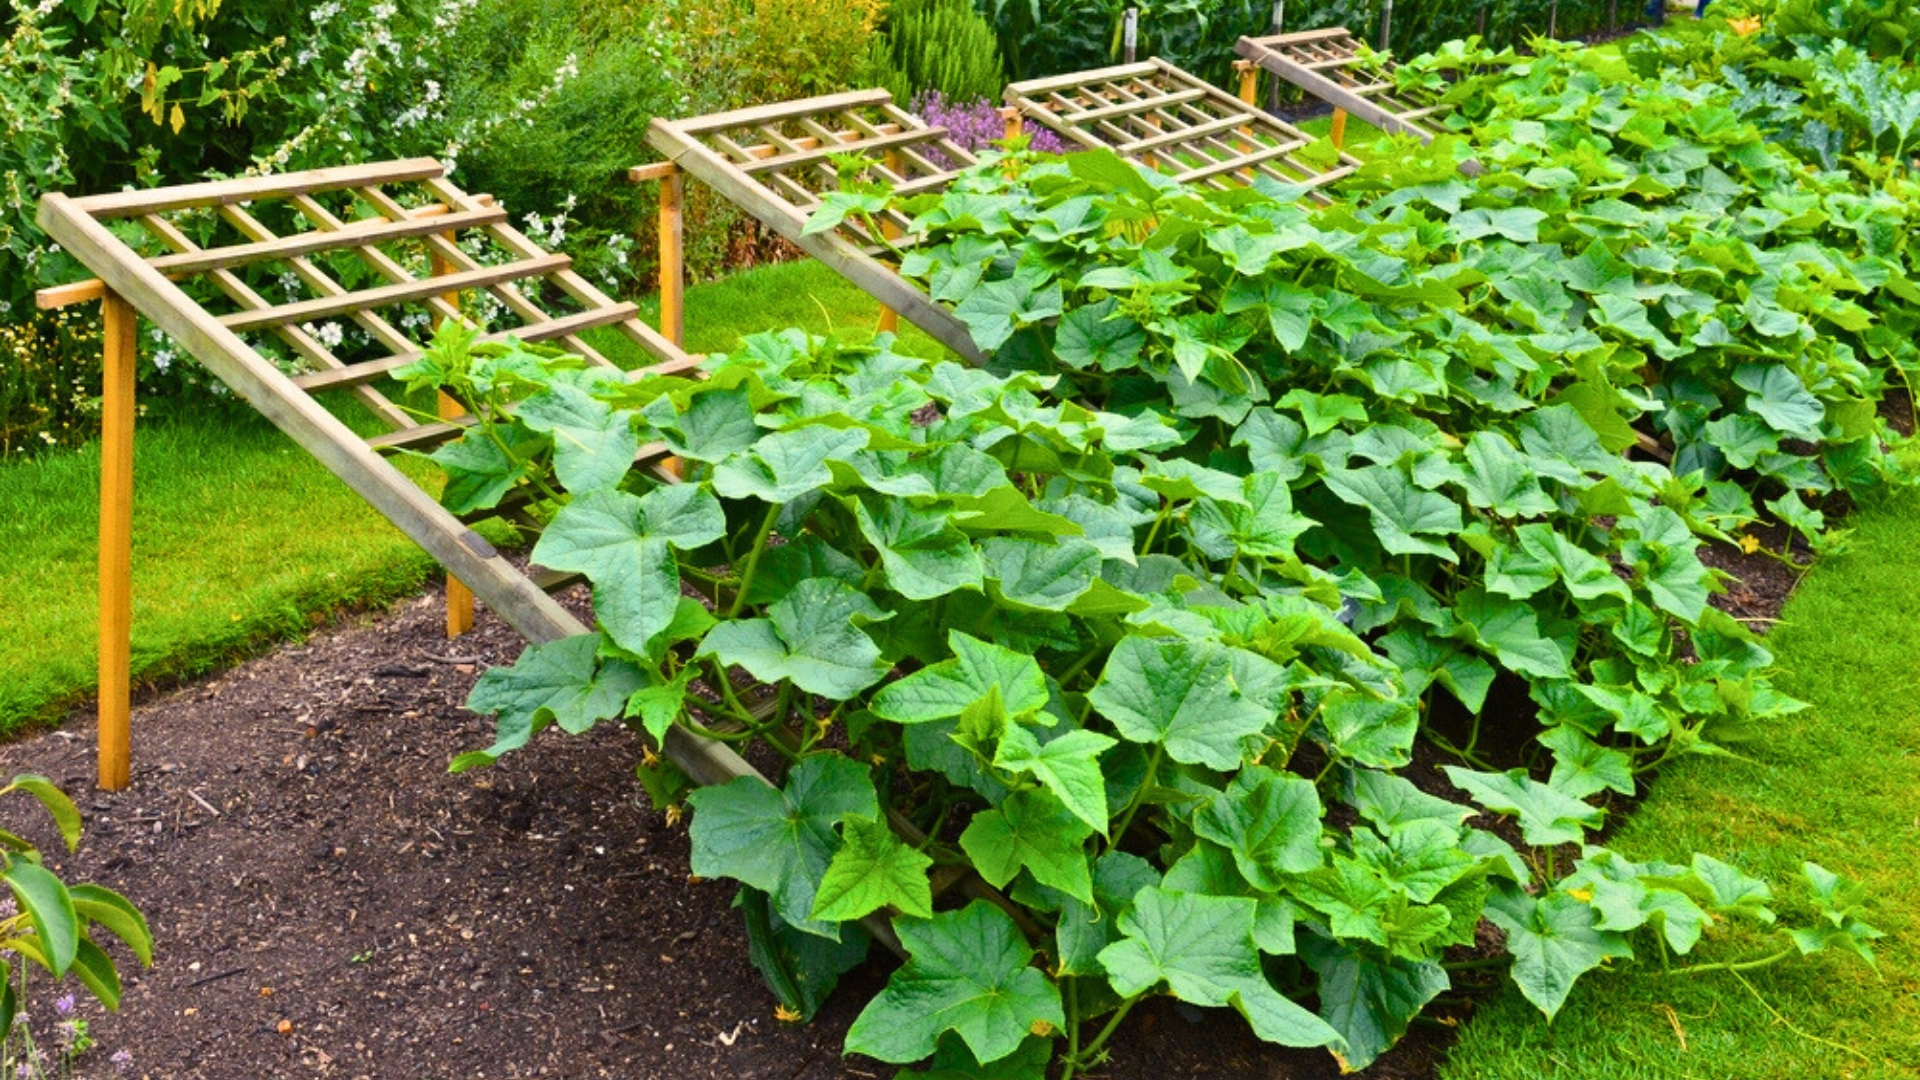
x=1839 y=785
x=242 y=540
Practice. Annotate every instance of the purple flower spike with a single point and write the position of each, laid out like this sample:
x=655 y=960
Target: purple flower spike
x=975 y=125
x=63 y=1005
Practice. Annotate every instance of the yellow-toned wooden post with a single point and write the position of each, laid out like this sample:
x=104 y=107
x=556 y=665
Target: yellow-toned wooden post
x=1016 y=124
x=1249 y=89
x=1340 y=129
x=673 y=259
x=120 y=351
x=889 y=318
x=460 y=600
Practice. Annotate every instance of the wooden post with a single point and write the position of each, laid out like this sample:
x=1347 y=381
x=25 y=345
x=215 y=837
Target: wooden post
x=889 y=318
x=1249 y=90
x=120 y=351
x=673 y=258
x=1016 y=123
x=1339 y=129
x=460 y=599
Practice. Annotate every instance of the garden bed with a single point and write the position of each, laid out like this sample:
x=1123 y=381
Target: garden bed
x=328 y=900
x=534 y=919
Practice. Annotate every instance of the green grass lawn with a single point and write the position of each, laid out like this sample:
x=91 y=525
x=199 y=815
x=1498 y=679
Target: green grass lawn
x=241 y=539
x=1838 y=784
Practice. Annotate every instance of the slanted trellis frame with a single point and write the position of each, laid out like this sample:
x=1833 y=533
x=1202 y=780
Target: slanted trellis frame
x=130 y=284
x=1328 y=64
x=774 y=162
x=1164 y=117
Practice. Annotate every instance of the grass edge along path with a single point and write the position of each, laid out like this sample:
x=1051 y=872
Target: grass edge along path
x=242 y=541
x=1838 y=784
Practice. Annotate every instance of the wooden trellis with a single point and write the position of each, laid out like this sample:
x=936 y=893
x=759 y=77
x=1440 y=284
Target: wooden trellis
x=1161 y=116
x=1328 y=64
x=345 y=246
x=777 y=162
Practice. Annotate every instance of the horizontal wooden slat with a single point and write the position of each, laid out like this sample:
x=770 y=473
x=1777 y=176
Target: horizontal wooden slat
x=1079 y=78
x=370 y=370
x=59 y=296
x=356 y=234
x=1330 y=33
x=822 y=153
x=1128 y=108
x=223 y=192
x=659 y=170
x=366 y=299
x=763 y=114
x=1197 y=131
x=1253 y=157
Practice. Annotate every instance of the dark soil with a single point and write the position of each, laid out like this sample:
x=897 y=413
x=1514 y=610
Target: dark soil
x=329 y=901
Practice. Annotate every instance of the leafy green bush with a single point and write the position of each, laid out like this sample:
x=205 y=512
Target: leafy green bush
x=1050 y=37
x=942 y=46
x=545 y=104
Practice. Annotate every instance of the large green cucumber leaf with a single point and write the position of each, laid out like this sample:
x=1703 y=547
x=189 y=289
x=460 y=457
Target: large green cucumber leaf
x=1184 y=695
x=1554 y=940
x=950 y=687
x=811 y=637
x=1403 y=514
x=1031 y=829
x=1202 y=948
x=873 y=869
x=1270 y=821
x=1370 y=1001
x=562 y=682
x=593 y=446
x=1548 y=816
x=624 y=545
x=781 y=840
x=967 y=971
x=1068 y=766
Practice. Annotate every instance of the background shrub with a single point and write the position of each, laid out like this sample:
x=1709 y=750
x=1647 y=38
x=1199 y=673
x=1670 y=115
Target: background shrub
x=942 y=46
x=1049 y=37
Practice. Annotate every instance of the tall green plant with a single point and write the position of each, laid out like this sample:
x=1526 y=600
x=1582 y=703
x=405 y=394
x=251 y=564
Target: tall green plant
x=940 y=45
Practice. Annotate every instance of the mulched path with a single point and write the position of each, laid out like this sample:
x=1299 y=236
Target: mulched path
x=328 y=901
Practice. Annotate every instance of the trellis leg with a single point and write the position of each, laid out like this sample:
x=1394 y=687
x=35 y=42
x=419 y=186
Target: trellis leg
x=1016 y=124
x=120 y=351
x=1339 y=129
x=1249 y=90
x=460 y=599
x=889 y=318
x=673 y=259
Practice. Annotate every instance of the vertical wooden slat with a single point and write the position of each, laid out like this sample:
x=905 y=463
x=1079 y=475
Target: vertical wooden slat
x=673 y=258
x=121 y=346
x=1339 y=129
x=460 y=601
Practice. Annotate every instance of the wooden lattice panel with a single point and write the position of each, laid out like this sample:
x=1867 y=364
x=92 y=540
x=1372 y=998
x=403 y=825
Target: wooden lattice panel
x=777 y=161
x=1161 y=116
x=1332 y=65
x=364 y=261
x=386 y=248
